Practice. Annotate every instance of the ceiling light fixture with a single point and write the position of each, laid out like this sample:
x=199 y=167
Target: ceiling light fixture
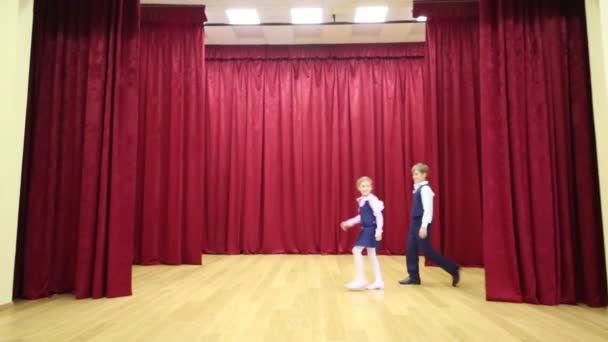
x=243 y=16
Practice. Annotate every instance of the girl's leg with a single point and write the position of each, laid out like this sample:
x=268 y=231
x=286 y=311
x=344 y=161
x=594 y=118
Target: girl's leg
x=359 y=280
x=378 y=283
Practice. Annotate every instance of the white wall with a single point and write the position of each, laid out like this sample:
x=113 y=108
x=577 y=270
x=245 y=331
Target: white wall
x=15 y=39
x=597 y=28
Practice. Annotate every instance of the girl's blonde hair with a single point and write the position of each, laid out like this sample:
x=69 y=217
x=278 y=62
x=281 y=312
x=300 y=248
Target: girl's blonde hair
x=364 y=179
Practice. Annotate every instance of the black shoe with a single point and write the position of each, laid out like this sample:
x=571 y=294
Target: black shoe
x=456 y=277
x=409 y=281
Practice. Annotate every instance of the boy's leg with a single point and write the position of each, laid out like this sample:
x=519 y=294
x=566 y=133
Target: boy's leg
x=411 y=258
x=441 y=261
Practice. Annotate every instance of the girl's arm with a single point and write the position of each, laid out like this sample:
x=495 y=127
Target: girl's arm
x=351 y=222
x=377 y=207
x=379 y=222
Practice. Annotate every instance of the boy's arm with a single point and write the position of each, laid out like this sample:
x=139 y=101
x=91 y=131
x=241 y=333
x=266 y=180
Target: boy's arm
x=427 y=204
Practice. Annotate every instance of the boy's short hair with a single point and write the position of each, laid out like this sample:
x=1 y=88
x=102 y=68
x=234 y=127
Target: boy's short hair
x=420 y=167
x=364 y=179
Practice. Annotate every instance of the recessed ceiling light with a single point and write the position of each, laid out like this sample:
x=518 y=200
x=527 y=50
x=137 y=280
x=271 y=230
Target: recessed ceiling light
x=371 y=14
x=243 y=16
x=306 y=15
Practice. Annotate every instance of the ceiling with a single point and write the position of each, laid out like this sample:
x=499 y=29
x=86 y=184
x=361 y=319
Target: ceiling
x=278 y=11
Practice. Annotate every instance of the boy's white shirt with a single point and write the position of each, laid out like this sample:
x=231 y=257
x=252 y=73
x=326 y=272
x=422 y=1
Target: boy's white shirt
x=427 y=202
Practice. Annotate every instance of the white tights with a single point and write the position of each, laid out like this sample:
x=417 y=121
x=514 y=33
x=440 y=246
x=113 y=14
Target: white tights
x=358 y=257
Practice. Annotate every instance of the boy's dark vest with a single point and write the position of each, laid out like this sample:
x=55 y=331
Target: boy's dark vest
x=417 y=208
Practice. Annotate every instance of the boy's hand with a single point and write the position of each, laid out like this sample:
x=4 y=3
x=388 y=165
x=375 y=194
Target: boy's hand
x=344 y=225
x=422 y=233
x=378 y=237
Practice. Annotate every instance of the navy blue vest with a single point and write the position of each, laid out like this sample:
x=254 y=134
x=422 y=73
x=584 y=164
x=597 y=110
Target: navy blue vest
x=368 y=220
x=417 y=208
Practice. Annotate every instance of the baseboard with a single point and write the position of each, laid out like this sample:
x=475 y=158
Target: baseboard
x=6 y=306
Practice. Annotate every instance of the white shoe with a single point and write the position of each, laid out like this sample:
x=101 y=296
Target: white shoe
x=377 y=285
x=356 y=284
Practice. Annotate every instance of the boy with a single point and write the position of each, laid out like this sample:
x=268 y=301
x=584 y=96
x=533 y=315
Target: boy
x=420 y=229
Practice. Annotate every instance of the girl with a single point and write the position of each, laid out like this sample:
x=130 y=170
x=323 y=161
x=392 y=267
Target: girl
x=370 y=217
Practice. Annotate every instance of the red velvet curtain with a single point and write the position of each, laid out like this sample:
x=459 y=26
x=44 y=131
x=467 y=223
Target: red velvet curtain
x=542 y=224
x=171 y=135
x=78 y=192
x=436 y=10
x=452 y=111
x=291 y=128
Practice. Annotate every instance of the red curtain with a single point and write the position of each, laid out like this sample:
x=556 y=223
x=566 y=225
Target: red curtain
x=171 y=135
x=78 y=192
x=289 y=131
x=444 y=9
x=452 y=111
x=542 y=224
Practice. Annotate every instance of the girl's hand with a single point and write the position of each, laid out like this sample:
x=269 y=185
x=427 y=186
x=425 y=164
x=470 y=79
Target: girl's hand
x=344 y=225
x=378 y=237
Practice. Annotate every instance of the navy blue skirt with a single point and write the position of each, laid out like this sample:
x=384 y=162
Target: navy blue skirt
x=367 y=238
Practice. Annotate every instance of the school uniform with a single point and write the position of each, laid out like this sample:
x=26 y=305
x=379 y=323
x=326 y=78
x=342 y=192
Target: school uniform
x=371 y=220
x=421 y=216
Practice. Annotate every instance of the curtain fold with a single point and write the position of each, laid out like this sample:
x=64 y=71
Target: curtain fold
x=78 y=190
x=453 y=113
x=171 y=137
x=542 y=222
x=287 y=139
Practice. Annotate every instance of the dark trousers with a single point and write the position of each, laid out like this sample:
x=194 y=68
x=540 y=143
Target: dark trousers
x=415 y=243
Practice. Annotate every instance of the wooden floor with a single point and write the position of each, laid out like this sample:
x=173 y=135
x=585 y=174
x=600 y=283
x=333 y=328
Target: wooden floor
x=295 y=298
